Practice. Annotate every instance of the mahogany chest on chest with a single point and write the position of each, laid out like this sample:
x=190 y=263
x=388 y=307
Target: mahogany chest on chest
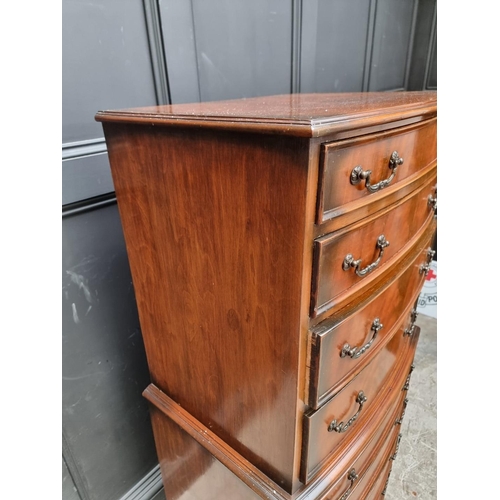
x=277 y=248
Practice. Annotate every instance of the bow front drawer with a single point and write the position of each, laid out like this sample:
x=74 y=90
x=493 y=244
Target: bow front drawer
x=358 y=171
x=343 y=345
x=342 y=417
x=347 y=260
x=371 y=450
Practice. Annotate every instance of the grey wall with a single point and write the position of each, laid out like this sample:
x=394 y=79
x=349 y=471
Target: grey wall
x=105 y=64
x=357 y=45
x=423 y=64
x=108 y=444
x=107 y=440
x=125 y=53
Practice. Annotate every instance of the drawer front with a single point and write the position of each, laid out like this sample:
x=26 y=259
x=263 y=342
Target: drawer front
x=379 y=467
x=347 y=260
x=342 y=347
x=341 y=420
x=356 y=470
x=376 y=476
x=339 y=186
x=376 y=489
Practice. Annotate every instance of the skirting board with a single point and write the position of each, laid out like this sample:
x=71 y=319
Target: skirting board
x=147 y=487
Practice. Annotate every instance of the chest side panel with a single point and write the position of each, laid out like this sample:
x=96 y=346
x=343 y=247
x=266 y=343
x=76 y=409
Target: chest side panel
x=214 y=226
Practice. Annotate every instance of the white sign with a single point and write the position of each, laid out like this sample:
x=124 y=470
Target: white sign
x=427 y=301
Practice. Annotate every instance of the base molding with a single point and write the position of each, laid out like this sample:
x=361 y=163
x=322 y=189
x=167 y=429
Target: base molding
x=231 y=459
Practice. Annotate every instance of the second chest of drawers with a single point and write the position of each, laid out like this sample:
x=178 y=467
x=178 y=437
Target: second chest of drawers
x=277 y=246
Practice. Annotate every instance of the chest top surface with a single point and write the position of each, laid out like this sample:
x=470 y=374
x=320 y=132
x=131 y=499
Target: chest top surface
x=307 y=115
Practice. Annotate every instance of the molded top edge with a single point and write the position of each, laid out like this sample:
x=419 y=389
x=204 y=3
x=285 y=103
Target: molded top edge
x=307 y=115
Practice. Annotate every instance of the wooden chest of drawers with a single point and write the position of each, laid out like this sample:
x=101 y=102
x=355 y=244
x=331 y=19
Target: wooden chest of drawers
x=277 y=248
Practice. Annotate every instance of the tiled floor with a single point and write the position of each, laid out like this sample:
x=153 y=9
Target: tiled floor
x=414 y=471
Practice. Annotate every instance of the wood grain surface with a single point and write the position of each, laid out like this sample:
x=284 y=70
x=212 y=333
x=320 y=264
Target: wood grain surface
x=214 y=227
x=196 y=463
x=241 y=295
x=328 y=370
x=415 y=144
x=399 y=224
x=373 y=489
x=375 y=478
x=193 y=458
x=370 y=480
x=367 y=456
x=386 y=371
x=307 y=115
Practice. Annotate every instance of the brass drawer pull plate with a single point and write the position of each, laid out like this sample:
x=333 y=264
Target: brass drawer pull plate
x=341 y=427
x=432 y=202
x=407 y=383
x=425 y=268
x=355 y=352
x=399 y=421
x=358 y=174
x=352 y=476
x=386 y=483
x=393 y=457
x=411 y=329
x=349 y=261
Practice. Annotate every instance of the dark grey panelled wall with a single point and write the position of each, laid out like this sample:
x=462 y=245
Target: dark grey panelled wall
x=336 y=46
x=107 y=440
x=423 y=62
x=236 y=48
x=125 y=53
x=106 y=64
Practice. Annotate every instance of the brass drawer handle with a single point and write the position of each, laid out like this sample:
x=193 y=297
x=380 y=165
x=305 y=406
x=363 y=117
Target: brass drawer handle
x=425 y=268
x=432 y=202
x=393 y=457
x=411 y=329
x=407 y=382
x=341 y=427
x=399 y=421
x=355 y=352
x=358 y=174
x=352 y=476
x=349 y=261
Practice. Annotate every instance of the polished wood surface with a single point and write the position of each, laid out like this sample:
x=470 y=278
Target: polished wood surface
x=178 y=434
x=375 y=477
x=363 y=208
x=399 y=224
x=366 y=481
x=194 y=459
x=188 y=466
x=319 y=443
x=374 y=482
x=214 y=224
x=375 y=488
x=329 y=370
x=387 y=412
x=309 y=115
x=367 y=455
x=372 y=152
x=364 y=294
x=242 y=305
